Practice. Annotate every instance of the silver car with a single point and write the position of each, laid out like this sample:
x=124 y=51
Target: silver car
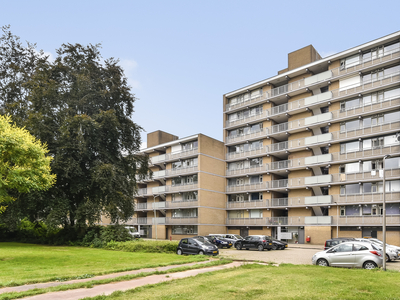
x=352 y=254
x=391 y=252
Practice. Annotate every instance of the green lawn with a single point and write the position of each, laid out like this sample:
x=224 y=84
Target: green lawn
x=28 y=263
x=269 y=282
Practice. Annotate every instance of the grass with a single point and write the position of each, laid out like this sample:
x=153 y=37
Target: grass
x=27 y=263
x=269 y=282
x=90 y=284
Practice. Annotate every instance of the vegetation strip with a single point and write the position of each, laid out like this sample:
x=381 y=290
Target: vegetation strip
x=90 y=284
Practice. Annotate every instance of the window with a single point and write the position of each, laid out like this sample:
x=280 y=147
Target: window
x=324 y=129
x=325 y=150
x=256 y=213
x=350 y=147
x=324 y=89
x=184 y=229
x=344 y=248
x=324 y=109
x=342 y=210
x=350 y=125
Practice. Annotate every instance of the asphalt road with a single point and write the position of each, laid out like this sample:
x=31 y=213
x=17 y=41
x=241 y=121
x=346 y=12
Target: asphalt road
x=292 y=255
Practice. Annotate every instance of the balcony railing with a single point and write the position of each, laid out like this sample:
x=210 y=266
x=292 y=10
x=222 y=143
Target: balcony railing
x=367 y=198
x=247 y=204
x=250 y=118
x=248 y=170
x=302 y=83
x=172 y=156
x=141 y=192
x=336 y=157
x=336 y=136
x=141 y=205
x=365 y=220
x=245 y=154
x=246 y=136
x=180 y=171
x=278 y=221
x=246 y=187
x=173 y=188
x=175 y=221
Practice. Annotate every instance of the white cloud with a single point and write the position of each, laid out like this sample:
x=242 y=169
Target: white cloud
x=130 y=66
x=143 y=146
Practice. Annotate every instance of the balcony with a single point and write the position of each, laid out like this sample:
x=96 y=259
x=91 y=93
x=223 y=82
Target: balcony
x=365 y=220
x=246 y=187
x=245 y=137
x=301 y=201
x=318 y=220
x=247 y=119
x=173 y=156
x=248 y=170
x=175 y=221
x=336 y=178
x=336 y=136
x=334 y=95
x=317 y=79
x=247 y=204
x=244 y=154
x=302 y=162
x=141 y=206
x=366 y=198
x=182 y=171
x=141 y=192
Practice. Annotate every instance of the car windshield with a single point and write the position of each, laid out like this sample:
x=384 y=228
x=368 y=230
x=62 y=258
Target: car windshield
x=204 y=242
x=238 y=237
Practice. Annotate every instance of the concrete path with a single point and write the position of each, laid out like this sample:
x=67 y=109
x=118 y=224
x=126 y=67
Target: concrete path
x=107 y=289
x=27 y=287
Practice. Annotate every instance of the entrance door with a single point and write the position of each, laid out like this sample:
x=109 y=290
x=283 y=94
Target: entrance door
x=166 y=233
x=244 y=232
x=301 y=235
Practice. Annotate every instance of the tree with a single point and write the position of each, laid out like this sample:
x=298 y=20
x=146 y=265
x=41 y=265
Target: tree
x=81 y=106
x=24 y=166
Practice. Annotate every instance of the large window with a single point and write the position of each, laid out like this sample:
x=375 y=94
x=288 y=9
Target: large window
x=184 y=229
x=184 y=213
x=392 y=186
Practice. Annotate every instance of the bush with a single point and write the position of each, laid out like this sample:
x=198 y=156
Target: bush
x=143 y=246
x=116 y=233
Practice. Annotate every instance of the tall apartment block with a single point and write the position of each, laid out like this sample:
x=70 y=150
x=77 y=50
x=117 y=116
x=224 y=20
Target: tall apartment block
x=312 y=152
x=186 y=193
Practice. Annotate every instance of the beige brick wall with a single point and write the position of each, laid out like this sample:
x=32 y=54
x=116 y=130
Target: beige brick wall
x=334 y=64
x=212 y=199
x=318 y=234
x=211 y=165
x=211 y=182
x=211 y=147
x=212 y=216
x=300 y=135
x=299 y=212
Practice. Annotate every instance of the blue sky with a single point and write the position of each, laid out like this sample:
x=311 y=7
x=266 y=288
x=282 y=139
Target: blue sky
x=181 y=56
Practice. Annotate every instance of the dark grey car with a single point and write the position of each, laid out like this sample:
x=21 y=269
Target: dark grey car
x=196 y=246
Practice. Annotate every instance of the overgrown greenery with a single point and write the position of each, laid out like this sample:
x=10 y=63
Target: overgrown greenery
x=80 y=106
x=269 y=282
x=27 y=263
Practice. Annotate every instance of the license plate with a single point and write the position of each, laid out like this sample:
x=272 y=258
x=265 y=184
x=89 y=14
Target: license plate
x=270 y=243
x=286 y=246
x=230 y=244
x=215 y=251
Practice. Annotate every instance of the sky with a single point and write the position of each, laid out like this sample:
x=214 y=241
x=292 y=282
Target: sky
x=180 y=57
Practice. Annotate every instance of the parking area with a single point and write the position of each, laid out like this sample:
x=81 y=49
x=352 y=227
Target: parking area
x=294 y=254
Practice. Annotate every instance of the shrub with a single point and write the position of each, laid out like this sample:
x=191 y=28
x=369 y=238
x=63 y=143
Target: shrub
x=116 y=233
x=143 y=246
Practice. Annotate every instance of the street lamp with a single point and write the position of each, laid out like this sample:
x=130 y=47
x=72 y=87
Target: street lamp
x=384 y=213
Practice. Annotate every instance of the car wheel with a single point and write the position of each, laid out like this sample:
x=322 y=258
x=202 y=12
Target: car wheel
x=247 y=248
x=238 y=246
x=260 y=248
x=201 y=252
x=322 y=262
x=179 y=252
x=274 y=247
x=269 y=249
x=369 y=265
x=387 y=258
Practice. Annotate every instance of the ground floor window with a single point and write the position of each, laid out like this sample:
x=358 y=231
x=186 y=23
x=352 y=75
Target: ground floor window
x=184 y=229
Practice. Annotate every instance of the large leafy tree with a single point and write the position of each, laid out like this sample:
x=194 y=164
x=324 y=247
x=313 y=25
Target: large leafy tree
x=24 y=166
x=81 y=106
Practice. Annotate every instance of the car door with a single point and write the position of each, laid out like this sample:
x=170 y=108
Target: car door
x=342 y=256
x=185 y=246
x=246 y=242
x=193 y=247
x=253 y=243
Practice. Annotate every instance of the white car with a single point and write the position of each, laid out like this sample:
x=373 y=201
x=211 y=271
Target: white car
x=133 y=231
x=353 y=254
x=391 y=252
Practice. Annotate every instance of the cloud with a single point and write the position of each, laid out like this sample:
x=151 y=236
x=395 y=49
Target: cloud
x=143 y=146
x=130 y=66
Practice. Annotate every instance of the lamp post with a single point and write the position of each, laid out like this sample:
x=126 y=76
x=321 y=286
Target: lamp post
x=384 y=212
x=155 y=216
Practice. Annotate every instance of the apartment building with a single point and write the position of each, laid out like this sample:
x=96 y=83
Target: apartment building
x=312 y=152
x=186 y=193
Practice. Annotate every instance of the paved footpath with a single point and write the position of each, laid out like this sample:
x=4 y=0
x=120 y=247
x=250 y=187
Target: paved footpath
x=107 y=289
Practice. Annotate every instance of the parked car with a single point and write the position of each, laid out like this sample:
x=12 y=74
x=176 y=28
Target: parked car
x=335 y=241
x=133 y=232
x=233 y=238
x=259 y=242
x=352 y=254
x=220 y=241
x=392 y=252
x=196 y=246
x=278 y=244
